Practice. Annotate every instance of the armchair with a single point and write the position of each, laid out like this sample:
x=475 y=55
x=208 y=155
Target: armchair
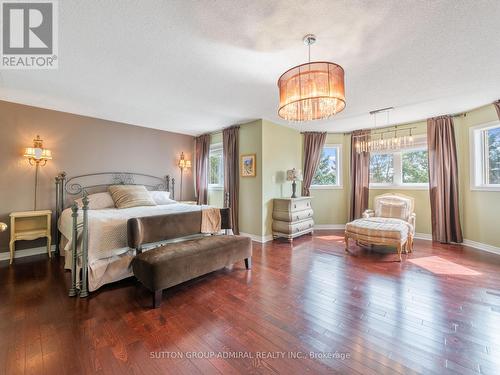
x=391 y=222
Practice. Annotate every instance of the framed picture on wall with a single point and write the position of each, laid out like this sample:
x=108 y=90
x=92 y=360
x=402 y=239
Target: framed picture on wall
x=248 y=168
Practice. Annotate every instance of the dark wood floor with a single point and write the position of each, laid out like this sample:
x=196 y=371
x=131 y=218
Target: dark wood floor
x=309 y=300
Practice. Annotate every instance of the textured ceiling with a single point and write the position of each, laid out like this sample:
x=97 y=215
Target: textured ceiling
x=197 y=66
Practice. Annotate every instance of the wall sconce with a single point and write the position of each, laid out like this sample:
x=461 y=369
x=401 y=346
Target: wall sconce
x=183 y=164
x=37 y=156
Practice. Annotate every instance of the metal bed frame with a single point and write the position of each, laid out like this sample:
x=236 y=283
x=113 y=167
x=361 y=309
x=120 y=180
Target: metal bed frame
x=81 y=186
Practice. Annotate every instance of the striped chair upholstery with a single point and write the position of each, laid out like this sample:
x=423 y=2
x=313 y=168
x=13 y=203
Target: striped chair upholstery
x=392 y=222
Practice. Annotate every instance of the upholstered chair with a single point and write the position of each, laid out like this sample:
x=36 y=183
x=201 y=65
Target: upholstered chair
x=395 y=206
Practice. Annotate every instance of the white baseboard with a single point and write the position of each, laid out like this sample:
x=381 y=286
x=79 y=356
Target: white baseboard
x=260 y=239
x=27 y=252
x=328 y=226
x=426 y=237
x=482 y=246
x=423 y=236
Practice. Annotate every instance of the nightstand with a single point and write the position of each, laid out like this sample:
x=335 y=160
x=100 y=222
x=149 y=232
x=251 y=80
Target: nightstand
x=29 y=225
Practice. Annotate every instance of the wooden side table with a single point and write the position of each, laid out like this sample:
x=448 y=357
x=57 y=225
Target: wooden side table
x=29 y=225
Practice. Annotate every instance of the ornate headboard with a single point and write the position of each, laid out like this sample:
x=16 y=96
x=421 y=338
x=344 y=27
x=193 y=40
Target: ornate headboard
x=69 y=189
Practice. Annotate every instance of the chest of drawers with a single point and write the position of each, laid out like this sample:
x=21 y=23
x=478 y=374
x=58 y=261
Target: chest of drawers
x=292 y=217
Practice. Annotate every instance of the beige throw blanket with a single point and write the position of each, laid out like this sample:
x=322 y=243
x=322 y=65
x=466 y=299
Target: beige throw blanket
x=210 y=220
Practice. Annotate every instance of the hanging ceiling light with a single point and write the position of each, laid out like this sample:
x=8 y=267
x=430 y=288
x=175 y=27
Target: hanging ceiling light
x=311 y=91
x=384 y=139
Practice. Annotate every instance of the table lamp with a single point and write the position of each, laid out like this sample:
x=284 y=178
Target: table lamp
x=294 y=175
x=37 y=156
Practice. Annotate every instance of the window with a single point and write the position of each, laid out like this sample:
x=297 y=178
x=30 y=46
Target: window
x=328 y=174
x=406 y=168
x=216 y=167
x=485 y=157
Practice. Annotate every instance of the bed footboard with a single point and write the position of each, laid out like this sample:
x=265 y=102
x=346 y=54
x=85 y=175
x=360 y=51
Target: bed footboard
x=79 y=286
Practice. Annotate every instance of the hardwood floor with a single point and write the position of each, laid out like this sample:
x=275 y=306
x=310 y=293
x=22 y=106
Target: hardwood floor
x=342 y=313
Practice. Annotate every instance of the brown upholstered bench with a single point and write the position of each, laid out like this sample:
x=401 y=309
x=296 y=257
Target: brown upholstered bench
x=177 y=262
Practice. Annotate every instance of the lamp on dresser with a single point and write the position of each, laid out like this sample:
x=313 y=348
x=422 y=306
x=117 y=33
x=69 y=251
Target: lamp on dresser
x=37 y=156
x=294 y=175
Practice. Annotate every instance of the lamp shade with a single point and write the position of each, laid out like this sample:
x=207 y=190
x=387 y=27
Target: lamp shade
x=37 y=152
x=311 y=91
x=294 y=175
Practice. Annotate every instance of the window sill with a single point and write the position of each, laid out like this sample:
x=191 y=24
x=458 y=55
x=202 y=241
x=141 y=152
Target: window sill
x=216 y=187
x=485 y=188
x=398 y=187
x=326 y=187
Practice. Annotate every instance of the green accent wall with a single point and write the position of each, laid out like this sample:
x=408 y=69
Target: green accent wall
x=479 y=209
x=279 y=148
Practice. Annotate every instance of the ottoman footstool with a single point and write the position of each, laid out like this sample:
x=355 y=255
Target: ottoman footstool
x=380 y=231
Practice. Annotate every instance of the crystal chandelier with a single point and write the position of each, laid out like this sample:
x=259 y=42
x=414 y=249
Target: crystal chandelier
x=385 y=139
x=311 y=91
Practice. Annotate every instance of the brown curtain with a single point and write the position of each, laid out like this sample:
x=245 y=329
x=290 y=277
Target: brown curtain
x=443 y=180
x=230 y=141
x=497 y=107
x=202 y=147
x=313 y=147
x=360 y=176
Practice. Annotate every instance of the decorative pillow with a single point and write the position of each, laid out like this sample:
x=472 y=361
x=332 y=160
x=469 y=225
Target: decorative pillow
x=396 y=210
x=98 y=201
x=126 y=196
x=161 y=197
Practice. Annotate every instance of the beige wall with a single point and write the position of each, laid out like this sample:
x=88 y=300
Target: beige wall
x=331 y=206
x=79 y=145
x=250 y=200
x=277 y=149
x=281 y=150
x=479 y=209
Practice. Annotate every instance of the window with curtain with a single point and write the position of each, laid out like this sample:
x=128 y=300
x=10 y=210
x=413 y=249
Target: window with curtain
x=404 y=168
x=216 y=167
x=329 y=173
x=485 y=157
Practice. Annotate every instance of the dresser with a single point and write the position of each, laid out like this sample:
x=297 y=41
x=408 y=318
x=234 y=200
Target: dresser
x=292 y=217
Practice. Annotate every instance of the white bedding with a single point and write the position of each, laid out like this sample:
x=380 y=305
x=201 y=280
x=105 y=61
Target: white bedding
x=108 y=227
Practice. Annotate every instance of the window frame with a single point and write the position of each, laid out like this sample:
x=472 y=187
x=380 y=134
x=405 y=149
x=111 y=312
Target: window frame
x=479 y=168
x=339 y=184
x=218 y=148
x=397 y=158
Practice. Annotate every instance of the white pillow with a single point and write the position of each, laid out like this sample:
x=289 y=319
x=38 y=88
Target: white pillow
x=98 y=201
x=161 y=197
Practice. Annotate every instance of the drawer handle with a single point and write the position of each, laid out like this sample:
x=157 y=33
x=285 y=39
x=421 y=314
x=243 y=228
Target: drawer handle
x=297 y=217
x=309 y=214
x=294 y=206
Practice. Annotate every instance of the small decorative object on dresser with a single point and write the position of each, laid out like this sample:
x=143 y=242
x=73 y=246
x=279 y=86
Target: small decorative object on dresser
x=29 y=225
x=292 y=217
x=294 y=175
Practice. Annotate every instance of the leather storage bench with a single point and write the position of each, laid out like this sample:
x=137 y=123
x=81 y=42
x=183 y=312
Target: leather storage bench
x=177 y=262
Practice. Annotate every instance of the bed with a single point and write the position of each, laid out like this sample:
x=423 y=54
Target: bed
x=94 y=241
